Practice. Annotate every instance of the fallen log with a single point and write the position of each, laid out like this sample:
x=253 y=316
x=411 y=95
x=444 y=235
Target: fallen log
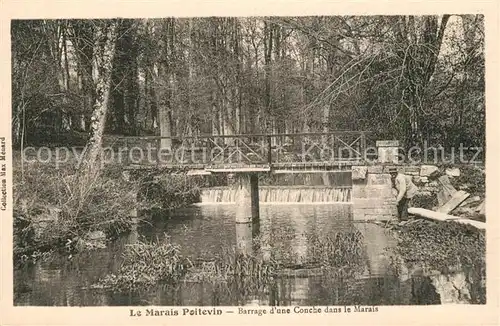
x=436 y=216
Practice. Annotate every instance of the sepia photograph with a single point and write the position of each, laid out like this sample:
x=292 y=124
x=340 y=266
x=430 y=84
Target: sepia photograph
x=296 y=163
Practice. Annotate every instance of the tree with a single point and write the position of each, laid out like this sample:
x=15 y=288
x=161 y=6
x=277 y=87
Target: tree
x=103 y=54
x=412 y=78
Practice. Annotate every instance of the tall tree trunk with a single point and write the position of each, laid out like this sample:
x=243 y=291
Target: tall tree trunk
x=104 y=51
x=82 y=37
x=163 y=102
x=165 y=80
x=268 y=50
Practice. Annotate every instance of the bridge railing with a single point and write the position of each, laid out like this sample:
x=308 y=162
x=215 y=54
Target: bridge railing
x=244 y=150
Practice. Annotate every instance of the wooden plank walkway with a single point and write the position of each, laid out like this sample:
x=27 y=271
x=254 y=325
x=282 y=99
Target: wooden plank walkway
x=296 y=167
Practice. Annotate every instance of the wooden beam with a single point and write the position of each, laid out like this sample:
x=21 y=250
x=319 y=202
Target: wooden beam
x=457 y=198
x=308 y=171
x=436 y=216
x=236 y=170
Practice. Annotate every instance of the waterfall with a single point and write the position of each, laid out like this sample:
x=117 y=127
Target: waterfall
x=281 y=194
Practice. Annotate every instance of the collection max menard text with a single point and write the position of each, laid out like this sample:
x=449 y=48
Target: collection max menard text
x=3 y=175
x=260 y=311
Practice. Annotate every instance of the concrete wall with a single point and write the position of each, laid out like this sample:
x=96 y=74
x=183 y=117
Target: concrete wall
x=372 y=196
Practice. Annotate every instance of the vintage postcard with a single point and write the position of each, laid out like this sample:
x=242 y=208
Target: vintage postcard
x=271 y=162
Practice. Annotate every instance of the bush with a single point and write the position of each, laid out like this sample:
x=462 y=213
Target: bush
x=170 y=191
x=473 y=178
x=103 y=203
x=424 y=200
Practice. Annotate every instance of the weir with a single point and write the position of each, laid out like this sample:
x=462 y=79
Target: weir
x=352 y=180
x=370 y=194
x=281 y=194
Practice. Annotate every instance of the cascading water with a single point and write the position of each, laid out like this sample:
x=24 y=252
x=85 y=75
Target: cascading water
x=281 y=194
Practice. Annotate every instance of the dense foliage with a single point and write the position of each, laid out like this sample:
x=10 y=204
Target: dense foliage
x=413 y=78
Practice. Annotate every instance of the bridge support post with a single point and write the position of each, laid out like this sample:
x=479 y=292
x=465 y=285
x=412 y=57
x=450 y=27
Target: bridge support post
x=247 y=198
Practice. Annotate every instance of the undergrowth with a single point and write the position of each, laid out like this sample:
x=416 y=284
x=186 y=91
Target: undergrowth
x=473 y=178
x=168 y=191
x=52 y=207
x=424 y=200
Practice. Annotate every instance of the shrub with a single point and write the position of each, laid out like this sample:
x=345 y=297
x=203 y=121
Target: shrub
x=170 y=191
x=424 y=200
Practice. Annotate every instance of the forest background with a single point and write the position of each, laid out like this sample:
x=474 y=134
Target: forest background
x=412 y=78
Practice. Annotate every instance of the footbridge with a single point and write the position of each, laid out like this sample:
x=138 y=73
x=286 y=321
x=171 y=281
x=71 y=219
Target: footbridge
x=277 y=153
x=246 y=156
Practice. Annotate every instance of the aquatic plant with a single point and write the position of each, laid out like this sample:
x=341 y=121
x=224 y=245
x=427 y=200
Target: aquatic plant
x=231 y=264
x=343 y=249
x=337 y=251
x=247 y=275
x=145 y=265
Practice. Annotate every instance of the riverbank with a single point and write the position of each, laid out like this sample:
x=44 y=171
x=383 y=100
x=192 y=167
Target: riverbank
x=445 y=252
x=54 y=211
x=452 y=254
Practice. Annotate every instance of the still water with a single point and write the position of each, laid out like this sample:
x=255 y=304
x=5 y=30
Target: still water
x=205 y=231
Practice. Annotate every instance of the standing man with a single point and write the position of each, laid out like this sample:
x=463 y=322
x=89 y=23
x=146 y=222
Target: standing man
x=406 y=190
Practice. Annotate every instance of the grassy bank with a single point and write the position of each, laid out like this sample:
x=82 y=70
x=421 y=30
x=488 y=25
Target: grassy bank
x=55 y=211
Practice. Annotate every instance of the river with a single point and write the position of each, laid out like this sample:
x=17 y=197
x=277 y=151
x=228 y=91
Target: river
x=204 y=231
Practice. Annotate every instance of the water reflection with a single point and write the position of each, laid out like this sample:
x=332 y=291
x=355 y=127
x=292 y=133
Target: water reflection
x=299 y=243
x=208 y=232
x=244 y=238
x=376 y=242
